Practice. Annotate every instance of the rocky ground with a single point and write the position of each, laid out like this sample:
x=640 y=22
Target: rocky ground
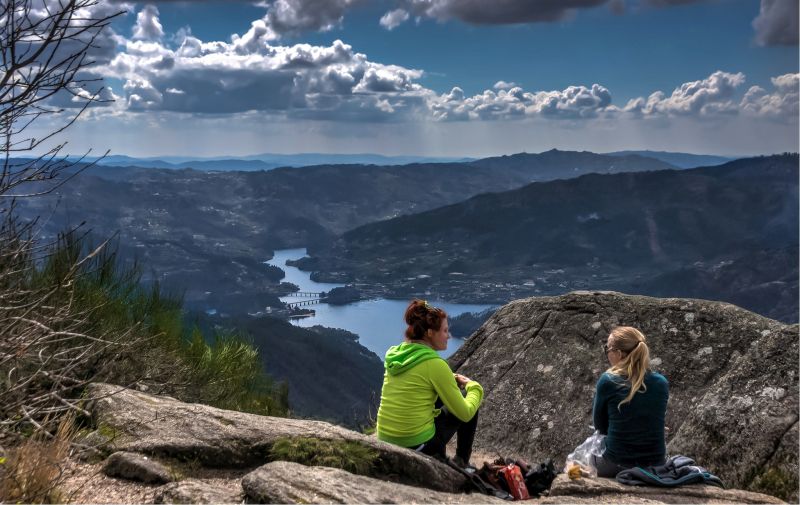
x=284 y=482
x=153 y=449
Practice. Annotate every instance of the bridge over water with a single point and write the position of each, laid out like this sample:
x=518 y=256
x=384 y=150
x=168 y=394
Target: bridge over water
x=311 y=298
x=306 y=294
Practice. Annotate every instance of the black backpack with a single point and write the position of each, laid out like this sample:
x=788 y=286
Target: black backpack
x=538 y=478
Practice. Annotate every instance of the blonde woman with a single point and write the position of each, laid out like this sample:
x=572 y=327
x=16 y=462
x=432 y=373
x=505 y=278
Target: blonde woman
x=630 y=404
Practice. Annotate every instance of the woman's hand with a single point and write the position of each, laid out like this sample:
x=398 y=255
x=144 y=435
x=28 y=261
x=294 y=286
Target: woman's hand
x=461 y=380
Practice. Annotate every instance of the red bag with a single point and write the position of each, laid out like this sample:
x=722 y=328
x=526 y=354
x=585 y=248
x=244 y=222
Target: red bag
x=516 y=483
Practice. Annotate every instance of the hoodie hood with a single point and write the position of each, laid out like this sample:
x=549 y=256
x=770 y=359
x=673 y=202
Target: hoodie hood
x=403 y=357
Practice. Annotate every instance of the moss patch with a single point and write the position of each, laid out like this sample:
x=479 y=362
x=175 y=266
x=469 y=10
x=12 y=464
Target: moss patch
x=777 y=482
x=346 y=455
x=177 y=470
x=97 y=441
x=107 y=431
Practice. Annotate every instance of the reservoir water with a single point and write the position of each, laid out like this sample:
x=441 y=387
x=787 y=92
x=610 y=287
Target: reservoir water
x=378 y=322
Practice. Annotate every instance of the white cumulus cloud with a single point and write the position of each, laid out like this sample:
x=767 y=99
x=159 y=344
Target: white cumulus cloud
x=147 y=26
x=252 y=73
x=504 y=85
x=710 y=96
x=294 y=16
x=574 y=102
x=393 y=19
x=255 y=39
x=142 y=95
x=782 y=103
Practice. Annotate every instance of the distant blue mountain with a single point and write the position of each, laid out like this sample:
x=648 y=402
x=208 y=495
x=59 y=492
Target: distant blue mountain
x=269 y=161
x=680 y=160
x=308 y=159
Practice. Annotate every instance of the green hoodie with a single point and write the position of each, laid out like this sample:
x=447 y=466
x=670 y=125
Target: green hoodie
x=415 y=377
x=403 y=357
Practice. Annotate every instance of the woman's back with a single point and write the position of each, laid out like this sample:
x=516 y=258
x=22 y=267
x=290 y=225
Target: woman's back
x=635 y=430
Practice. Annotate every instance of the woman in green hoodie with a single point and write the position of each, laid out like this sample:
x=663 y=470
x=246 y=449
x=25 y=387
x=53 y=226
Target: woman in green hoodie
x=417 y=381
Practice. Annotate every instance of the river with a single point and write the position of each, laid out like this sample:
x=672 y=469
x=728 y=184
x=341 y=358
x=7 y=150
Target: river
x=377 y=322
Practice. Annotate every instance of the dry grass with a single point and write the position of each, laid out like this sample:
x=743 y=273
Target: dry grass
x=33 y=471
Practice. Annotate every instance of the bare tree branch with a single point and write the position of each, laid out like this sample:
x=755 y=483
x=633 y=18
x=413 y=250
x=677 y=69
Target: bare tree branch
x=50 y=347
x=45 y=53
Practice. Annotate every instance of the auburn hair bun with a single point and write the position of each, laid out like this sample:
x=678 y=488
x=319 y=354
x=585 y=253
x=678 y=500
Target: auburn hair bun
x=420 y=317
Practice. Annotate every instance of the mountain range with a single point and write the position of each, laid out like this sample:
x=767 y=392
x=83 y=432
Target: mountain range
x=726 y=233
x=268 y=161
x=464 y=231
x=207 y=233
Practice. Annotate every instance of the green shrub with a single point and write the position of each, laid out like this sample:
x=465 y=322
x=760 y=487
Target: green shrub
x=344 y=454
x=231 y=375
x=83 y=306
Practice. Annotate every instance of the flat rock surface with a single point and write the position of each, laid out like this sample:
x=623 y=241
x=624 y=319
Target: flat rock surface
x=200 y=491
x=597 y=488
x=162 y=426
x=284 y=482
x=733 y=377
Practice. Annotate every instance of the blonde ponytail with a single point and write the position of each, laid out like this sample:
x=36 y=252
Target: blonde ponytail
x=637 y=361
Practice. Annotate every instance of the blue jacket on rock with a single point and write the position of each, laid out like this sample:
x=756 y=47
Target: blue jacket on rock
x=677 y=471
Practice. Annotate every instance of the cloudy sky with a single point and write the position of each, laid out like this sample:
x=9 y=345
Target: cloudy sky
x=446 y=77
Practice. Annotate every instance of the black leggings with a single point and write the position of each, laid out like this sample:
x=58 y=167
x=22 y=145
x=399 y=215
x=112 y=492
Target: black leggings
x=607 y=468
x=448 y=425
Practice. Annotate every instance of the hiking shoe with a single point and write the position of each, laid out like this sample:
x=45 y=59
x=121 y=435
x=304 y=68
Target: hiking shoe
x=464 y=465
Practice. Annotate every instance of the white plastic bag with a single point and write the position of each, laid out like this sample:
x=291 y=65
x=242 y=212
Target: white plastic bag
x=580 y=462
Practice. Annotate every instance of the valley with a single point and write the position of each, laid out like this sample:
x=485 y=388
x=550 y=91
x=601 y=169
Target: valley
x=205 y=234
x=479 y=233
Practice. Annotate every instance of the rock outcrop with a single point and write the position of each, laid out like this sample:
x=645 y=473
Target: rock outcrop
x=164 y=427
x=218 y=456
x=733 y=381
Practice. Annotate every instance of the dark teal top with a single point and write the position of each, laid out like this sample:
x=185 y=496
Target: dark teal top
x=635 y=432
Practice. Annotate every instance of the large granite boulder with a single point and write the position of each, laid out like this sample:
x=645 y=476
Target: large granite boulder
x=284 y=482
x=733 y=381
x=160 y=426
x=744 y=423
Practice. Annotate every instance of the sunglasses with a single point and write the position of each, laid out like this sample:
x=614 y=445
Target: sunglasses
x=428 y=306
x=607 y=349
